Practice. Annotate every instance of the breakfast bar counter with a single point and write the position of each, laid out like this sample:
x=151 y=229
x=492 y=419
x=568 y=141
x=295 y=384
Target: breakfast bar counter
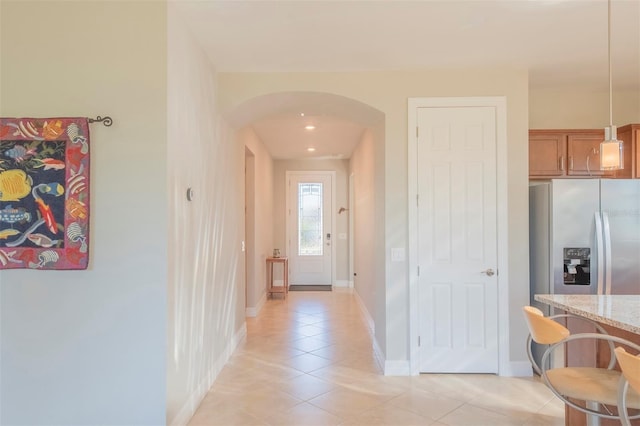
x=619 y=311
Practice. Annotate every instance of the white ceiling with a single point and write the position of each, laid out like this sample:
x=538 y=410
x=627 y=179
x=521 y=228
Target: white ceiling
x=561 y=42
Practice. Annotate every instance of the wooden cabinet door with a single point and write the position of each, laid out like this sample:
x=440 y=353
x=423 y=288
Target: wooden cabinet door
x=635 y=153
x=583 y=154
x=547 y=157
x=630 y=136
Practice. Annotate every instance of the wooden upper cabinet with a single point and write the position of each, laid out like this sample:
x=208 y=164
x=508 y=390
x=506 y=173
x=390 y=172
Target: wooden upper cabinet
x=547 y=154
x=583 y=154
x=630 y=136
x=557 y=153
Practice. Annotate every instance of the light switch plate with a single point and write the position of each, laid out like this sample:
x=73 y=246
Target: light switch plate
x=397 y=254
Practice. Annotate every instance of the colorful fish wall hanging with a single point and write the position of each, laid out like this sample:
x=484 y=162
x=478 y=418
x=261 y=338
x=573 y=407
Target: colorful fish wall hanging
x=44 y=193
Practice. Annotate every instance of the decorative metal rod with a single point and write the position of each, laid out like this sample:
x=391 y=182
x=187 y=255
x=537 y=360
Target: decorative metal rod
x=107 y=121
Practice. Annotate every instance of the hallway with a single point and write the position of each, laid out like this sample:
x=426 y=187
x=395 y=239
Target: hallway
x=308 y=360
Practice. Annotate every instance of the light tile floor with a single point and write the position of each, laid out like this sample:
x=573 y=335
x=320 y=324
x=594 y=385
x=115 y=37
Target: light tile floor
x=308 y=360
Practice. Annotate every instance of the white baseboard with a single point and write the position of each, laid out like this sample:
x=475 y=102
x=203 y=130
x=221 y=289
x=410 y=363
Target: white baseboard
x=351 y=284
x=367 y=316
x=377 y=352
x=198 y=394
x=341 y=283
x=254 y=311
x=397 y=368
x=518 y=369
x=379 y=355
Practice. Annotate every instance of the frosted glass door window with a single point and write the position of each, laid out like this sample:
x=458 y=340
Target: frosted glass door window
x=310 y=219
x=309 y=205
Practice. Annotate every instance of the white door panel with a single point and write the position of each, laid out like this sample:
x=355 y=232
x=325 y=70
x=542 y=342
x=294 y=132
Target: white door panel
x=457 y=240
x=309 y=225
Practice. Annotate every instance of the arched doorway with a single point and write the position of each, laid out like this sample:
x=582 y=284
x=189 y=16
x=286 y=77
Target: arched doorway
x=349 y=134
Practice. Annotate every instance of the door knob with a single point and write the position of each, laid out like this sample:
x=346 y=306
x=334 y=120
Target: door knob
x=489 y=272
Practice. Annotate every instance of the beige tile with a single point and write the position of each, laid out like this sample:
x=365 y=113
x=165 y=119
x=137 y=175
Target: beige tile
x=305 y=387
x=309 y=344
x=375 y=387
x=308 y=362
x=308 y=319
x=326 y=337
x=304 y=414
x=333 y=352
x=244 y=381
x=508 y=400
x=463 y=387
x=309 y=330
x=552 y=414
x=261 y=404
x=236 y=417
x=426 y=404
x=387 y=416
x=345 y=403
x=468 y=415
x=365 y=363
x=343 y=375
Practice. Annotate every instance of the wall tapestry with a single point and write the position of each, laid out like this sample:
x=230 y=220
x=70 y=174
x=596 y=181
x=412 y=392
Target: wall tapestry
x=44 y=193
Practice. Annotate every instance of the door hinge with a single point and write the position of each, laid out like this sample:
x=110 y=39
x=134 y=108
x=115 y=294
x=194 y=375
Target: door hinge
x=418 y=340
x=417 y=131
x=417 y=200
x=418 y=271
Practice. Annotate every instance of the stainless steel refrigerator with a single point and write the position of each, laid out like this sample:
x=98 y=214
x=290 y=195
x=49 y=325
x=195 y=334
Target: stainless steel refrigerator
x=584 y=237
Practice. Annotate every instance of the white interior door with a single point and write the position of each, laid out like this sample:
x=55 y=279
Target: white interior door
x=309 y=225
x=457 y=240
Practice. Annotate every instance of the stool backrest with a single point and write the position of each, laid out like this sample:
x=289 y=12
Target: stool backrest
x=543 y=330
x=630 y=366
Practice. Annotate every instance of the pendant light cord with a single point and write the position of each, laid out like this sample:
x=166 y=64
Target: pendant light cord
x=609 y=51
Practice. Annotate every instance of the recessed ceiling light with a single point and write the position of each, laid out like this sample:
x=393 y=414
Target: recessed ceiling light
x=302 y=114
x=311 y=149
x=309 y=127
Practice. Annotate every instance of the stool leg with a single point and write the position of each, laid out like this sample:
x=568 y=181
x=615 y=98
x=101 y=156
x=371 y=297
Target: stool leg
x=591 y=419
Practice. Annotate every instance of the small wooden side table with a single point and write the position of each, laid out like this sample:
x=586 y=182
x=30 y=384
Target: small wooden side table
x=284 y=289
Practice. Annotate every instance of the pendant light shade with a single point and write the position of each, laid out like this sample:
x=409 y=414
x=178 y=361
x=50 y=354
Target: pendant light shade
x=611 y=149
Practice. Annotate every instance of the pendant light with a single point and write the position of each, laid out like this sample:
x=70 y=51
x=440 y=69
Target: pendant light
x=611 y=149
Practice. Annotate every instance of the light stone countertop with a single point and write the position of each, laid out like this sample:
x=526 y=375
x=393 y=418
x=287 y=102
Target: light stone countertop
x=619 y=311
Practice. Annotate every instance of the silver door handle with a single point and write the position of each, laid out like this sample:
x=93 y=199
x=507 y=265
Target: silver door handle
x=489 y=272
x=606 y=231
x=600 y=253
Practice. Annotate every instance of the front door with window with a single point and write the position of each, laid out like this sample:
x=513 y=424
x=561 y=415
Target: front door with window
x=309 y=227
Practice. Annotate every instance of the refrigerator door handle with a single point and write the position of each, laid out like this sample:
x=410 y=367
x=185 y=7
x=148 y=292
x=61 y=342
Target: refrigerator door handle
x=600 y=250
x=607 y=252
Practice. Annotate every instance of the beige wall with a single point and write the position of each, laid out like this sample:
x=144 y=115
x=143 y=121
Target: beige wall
x=363 y=170
x=341 y=167
x=206 y=294
x=581 y=109
x=263 y=225
x=89 y=347
x=388 y=92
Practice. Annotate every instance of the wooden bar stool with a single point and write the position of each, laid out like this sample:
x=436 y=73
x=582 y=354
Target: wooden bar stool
x=284 y=289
